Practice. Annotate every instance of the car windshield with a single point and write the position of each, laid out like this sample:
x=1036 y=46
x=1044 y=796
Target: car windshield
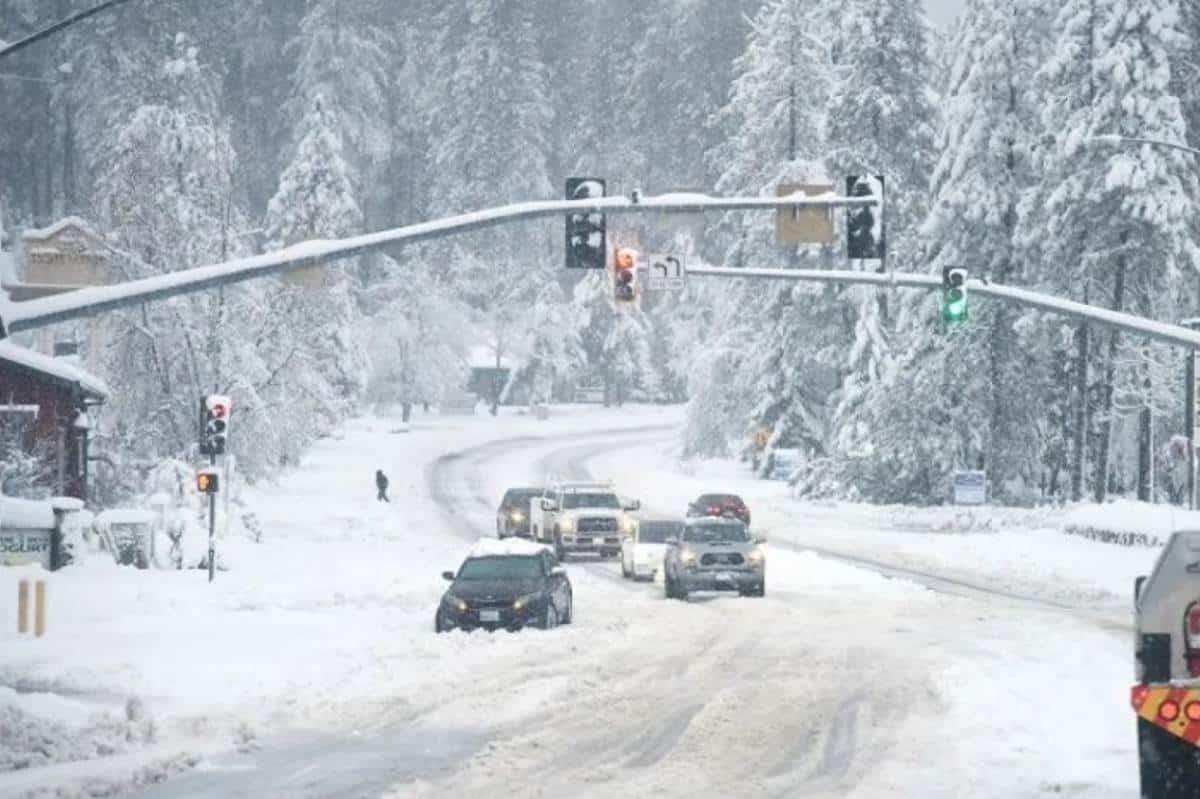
x=658 y=532
x=712 y=533
x=580 y=500
x=719 y=499
x=502 y=568
x=519 y=499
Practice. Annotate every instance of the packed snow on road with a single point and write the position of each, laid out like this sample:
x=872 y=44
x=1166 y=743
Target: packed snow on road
x=894 y=647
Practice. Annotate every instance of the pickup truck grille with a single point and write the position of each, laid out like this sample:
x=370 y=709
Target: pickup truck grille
x=597 y=526
x=721 y=559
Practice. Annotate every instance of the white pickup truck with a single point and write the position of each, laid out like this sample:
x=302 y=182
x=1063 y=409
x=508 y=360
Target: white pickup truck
x=581 y=517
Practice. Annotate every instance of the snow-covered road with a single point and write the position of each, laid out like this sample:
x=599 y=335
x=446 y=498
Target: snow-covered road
x=841 y=682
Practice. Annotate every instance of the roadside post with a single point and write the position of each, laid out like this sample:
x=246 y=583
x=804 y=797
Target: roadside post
x=1193 y=376
x=39 y=607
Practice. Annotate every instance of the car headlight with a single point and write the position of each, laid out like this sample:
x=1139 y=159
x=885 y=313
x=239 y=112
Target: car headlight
x=516 y=516
x=522 y=602
x=567 y=525
x=688 y=558
x=627 y=526
x=756 y=557
x=456 y=603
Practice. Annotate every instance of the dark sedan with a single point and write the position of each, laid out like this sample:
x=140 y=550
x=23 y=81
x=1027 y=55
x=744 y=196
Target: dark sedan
x=728 y=505
x=507 y=590
x=512 y=517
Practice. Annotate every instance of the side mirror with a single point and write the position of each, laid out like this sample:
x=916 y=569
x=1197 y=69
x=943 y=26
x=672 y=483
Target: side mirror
x=448 y=576
x=558 y=571
x=548 y=504
x=760 y=539
x=634 y=505
x=672 y=541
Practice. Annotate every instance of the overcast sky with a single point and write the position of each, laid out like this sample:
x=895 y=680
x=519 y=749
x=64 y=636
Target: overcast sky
x=943 y=12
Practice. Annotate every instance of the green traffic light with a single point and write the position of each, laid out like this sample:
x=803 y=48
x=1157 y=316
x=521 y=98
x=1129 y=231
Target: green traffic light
x=954 y=306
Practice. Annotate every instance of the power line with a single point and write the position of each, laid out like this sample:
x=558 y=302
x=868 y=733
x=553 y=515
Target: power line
x=57 y=26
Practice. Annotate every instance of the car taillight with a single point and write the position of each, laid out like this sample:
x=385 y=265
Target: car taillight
x=1191 y=630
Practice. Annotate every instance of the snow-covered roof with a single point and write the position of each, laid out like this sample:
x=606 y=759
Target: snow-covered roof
x=37 y=234
x=486 y=547
x=25 y=514
x=126 y=516
x=52 y=367
x=484 y=357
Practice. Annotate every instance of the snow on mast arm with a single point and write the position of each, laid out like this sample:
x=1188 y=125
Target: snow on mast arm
x=97 y=299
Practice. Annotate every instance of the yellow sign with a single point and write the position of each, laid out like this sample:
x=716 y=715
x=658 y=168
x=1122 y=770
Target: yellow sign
x=803 y=225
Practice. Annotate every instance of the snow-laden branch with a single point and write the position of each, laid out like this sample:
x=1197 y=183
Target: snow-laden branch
x=90 y=301
x=1149 y=328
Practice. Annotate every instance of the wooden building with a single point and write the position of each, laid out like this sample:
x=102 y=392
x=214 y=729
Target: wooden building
x=44 y=410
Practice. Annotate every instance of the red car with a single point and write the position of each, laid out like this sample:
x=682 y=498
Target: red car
x=728 y=505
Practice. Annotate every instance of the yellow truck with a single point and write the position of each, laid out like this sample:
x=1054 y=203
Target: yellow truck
x=1166 y=697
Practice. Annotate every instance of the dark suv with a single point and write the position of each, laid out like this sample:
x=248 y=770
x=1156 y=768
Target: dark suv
x=512 y=517
x=503 y=587
x=728 y=505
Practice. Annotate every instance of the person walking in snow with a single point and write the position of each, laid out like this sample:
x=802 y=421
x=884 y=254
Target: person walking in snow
x=381 y=482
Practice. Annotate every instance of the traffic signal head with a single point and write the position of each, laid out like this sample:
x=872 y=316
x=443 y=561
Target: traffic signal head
x=954 y=294
x=207 y=482
x=214 y=421
x=865 y=233
x=586 y=232
x=625 y=274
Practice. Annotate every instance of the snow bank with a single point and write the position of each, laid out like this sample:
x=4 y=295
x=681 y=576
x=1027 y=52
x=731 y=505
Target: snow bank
x=1127 y=522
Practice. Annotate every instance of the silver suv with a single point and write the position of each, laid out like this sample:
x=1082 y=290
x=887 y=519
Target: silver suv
x=714 y=554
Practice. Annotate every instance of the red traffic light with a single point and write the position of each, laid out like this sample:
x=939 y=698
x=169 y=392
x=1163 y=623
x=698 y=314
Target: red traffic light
x=626 y=259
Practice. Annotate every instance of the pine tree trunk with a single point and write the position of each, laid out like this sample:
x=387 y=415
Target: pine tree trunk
x=1114 y=341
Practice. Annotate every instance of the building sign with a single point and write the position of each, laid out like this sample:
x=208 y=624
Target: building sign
x=20 y=547
x=68 y=253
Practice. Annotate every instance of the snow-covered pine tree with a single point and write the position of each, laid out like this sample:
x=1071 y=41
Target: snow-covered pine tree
x=1117 y=219
x=879 y=121
x=989 y=130
x=773 y=135
x=315 y=199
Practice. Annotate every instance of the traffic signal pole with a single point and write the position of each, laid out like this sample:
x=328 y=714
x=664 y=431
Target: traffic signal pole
x=1147 y=328
x=212 y=524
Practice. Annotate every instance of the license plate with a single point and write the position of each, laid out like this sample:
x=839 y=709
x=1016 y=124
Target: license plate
x=583 y=541
x=489 y=615
x=724 y=577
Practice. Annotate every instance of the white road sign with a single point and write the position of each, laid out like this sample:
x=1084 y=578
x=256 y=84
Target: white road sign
x=970 y=488
x=666 y=273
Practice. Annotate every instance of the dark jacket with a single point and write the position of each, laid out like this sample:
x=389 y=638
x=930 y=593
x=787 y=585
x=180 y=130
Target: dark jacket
x=381 y=481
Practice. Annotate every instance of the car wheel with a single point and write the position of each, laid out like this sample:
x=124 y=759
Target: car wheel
x=437 y=623
x=625 y=569
x=550 y=621
x=681 y=592
x=569 y=614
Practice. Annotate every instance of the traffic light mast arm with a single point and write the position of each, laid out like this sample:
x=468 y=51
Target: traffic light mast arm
x=15 y=317
x=1149 y=328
